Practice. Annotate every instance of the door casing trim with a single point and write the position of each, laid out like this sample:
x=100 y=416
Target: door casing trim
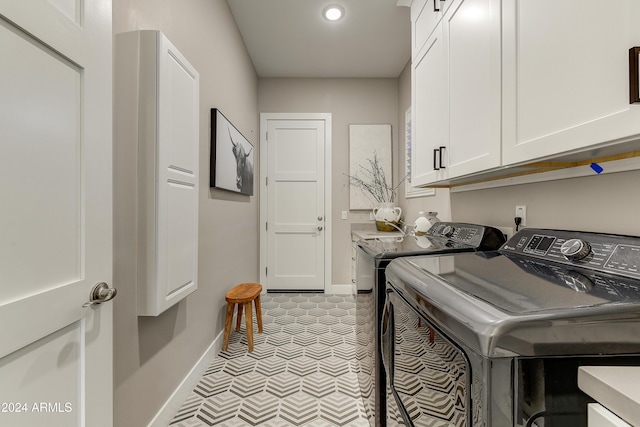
x=328 y=229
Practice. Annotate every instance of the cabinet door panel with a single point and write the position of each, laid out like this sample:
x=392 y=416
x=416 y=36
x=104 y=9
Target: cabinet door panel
x=472 y=37
x=429 y=111
x=565 y=70
x=425 y=16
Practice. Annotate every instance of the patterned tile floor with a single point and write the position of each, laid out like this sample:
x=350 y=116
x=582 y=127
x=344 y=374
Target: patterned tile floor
x=303 y=370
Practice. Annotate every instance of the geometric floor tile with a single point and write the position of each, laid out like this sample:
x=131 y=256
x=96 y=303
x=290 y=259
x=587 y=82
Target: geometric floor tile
x=283 y=385
x=299 y=409
x=213 y=384
x=259 y=408
x=303 y=370
x=318 y=384
x=340 y=409
x=218 y=408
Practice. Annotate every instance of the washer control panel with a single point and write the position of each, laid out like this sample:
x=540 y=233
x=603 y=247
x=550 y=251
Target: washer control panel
x=606 y=252
x=481 y=237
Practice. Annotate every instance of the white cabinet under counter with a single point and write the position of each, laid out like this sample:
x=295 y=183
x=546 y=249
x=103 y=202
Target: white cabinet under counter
x=616 y=390
x=156 y=166
x=599 y=416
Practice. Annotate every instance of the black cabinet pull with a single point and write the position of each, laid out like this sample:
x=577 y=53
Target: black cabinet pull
x=435 y=159
x=441 y=150
x=634 y=76
x=436 y=8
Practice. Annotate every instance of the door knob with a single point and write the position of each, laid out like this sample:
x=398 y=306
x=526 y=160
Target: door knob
x=100 y=293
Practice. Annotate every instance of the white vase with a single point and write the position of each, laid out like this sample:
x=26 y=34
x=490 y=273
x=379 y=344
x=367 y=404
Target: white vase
x=424 y=222
x=387 y=215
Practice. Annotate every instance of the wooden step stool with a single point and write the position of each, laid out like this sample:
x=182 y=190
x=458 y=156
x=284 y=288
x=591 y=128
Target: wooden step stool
x=242 y=295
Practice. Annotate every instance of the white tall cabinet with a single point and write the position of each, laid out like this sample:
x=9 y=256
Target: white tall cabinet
x=157 y=138
x=455 y=88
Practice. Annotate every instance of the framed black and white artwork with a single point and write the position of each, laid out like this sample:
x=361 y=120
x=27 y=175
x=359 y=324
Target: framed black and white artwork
x=369 y=145
x=231 y=157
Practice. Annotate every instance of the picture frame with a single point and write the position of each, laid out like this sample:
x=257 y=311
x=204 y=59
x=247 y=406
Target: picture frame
x=364 y=142
x=232 y=157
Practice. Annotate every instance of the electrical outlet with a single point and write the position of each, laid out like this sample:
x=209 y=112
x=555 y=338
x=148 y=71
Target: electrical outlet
x=521 y=211
x=345 y=215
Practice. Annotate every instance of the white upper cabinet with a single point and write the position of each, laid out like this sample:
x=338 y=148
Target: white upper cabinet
x=425 y=16
x=566 y=75
x=456 y=91
x=510 y=82
x=429 y=112
x=472 y=36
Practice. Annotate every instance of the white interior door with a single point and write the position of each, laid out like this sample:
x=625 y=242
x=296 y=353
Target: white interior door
x=296 y=221
x=55 y=215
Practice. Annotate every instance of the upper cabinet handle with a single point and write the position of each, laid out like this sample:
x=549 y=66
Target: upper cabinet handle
x=435 y=159
x=634 y=75
x=441 y=150
x=435 y=5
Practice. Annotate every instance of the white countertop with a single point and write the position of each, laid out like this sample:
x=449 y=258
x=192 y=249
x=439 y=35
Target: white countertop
x=369 y=231
x=617 y=388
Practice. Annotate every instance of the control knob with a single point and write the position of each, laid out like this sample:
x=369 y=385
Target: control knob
x=448 y=231
x=575 y=249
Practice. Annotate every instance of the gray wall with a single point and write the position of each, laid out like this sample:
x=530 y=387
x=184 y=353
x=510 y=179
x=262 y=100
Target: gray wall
x=152 y=355
x=350 y=101
x=603 y=203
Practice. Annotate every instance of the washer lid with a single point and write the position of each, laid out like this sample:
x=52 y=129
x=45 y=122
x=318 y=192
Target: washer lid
x=520 y=285
x=503 y=305
x=393 y=247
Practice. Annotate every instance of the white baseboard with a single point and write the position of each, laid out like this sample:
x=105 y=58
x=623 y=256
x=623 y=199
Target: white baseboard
x=341 y=289
x=173 y=405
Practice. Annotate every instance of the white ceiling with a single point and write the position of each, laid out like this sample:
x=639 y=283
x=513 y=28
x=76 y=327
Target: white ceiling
x=290 y=38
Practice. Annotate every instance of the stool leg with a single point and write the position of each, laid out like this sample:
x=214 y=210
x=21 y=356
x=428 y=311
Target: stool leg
x=227 y=326
x=239 y=319
x=249 y=318
x=259 y=313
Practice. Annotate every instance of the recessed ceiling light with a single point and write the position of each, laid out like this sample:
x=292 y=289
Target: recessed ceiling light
x=333 y=13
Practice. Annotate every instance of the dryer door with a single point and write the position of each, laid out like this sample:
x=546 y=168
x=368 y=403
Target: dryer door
x=429 y=375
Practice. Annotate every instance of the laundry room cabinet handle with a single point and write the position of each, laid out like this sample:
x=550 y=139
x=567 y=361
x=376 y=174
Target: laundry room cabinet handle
x=440 y=151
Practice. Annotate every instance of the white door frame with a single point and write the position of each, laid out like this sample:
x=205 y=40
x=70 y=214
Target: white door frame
x=264 y=119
